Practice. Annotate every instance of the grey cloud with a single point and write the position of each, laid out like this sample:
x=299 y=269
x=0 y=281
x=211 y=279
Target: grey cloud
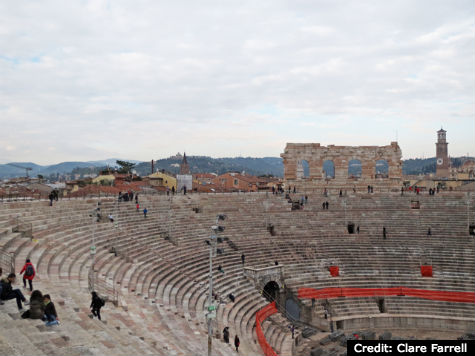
x=174 y=72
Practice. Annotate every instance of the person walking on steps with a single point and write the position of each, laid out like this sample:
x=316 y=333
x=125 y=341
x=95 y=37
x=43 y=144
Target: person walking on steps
x=243 y=259
x=236 y=343
x=96 y=304
x=29 y=274
x=1 y=272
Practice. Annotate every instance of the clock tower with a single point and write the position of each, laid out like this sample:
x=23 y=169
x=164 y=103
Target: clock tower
x=442 y=164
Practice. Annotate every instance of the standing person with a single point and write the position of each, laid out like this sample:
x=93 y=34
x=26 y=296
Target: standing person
x=358 y=229
x=145 y=211
x=1 y=272
x=29 y=274
x=429 y=232
x=184 y=190
x=402 y=191
x=243 y=259
x=9 y=293
x=295 y=190
x=96 y=304
x=173 y=190
x=384 y=232
x=326 y=205
x=236 y=343
x=323 y=205
x=226 y=335
x=168 y=191
x=136 y=198
x=50 y=317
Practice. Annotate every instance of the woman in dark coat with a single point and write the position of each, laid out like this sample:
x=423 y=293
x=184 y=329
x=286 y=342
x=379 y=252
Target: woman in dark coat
x=37 y=306
x=96 y=304
x=236 y=343
x=226 y=335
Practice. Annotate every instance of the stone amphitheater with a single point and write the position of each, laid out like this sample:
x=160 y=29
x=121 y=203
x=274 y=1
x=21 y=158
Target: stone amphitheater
x=157 y=279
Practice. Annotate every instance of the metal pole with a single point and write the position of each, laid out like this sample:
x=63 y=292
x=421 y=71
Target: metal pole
x=210 y=296
x=93 y=248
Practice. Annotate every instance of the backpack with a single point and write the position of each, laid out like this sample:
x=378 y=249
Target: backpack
x=102 y=302
x=29 y=271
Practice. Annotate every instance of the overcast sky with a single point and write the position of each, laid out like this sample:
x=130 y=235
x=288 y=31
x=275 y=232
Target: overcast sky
x=87 y=80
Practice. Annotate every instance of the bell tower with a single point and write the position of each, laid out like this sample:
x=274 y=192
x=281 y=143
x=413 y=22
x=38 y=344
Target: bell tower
x=442 y=164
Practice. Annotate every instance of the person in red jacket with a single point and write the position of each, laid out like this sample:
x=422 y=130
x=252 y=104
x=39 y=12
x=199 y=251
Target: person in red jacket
x=29 y=274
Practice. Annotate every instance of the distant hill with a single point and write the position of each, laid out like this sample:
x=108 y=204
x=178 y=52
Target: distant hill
x=198 y=164
x=203 y=164
x=427 y=165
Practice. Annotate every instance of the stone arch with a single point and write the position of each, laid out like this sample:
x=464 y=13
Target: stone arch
x=328 y=169
x=381 y=169
x=271 y=291
x=355 y=168
x=303 y=169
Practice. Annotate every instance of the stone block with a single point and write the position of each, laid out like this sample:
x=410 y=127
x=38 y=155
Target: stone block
x=368 y=335
x=385 y=336
x=336 y=335
x=316 y=352
x=326 y=340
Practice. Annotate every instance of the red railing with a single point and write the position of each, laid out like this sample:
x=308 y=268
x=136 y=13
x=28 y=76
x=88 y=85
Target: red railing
x=262 y=315
x=334 y=292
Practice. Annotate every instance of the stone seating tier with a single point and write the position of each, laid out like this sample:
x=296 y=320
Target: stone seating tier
x=163 y=283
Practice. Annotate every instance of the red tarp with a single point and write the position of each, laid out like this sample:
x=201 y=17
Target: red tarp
x=335 y=292
x=426 y=271
x=261 y=315
x=334 y=271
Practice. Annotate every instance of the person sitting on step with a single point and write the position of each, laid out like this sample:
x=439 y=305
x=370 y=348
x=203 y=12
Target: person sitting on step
x=50 y=317
x=9 y=293
x=37 y=307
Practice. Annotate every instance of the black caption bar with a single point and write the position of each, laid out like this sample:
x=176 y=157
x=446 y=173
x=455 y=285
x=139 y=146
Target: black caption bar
x=410 y=347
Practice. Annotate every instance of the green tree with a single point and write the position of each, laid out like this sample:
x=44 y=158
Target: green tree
x=125 y=167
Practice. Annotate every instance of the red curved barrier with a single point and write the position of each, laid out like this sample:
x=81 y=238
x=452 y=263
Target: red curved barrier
x=335 y=292
x=261 y=315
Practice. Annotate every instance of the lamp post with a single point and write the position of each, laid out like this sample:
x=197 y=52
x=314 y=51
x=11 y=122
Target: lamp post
x=95 y=216
x=211 y=308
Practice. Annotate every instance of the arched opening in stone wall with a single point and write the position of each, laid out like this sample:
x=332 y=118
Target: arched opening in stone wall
x=303 y=169
x=354 y=168
x=328 y=169
x=381 y=169
x=271 y=291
